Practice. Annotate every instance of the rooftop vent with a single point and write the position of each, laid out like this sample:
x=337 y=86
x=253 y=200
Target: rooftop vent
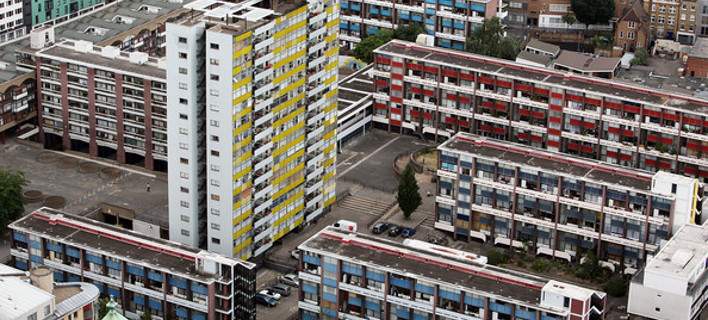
x=149 y=8
x=110 y=52
x=96 y=31
x=123 y=19
x=138 y=57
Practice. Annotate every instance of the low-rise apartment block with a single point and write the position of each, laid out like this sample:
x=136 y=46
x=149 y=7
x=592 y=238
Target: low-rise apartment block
x=674 y=19
x=557 y=205
x=449 y=21
x=355 y=276
x=438 y=92
x=673 y=284
x=103 y=101
x=143 y=274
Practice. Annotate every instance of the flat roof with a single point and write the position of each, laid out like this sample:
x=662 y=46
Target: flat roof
x=539 y=45
x=549 y=162
x=237 y=17
x=428 y=265
x=699 y=49
x=586 y=62
x=168 y=256
x=539 y=58
x=355 y=87
x=683 y=253
x=71 y=296
x=18 y=297
x=692 y=102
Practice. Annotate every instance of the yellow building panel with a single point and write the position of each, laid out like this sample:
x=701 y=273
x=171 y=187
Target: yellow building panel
x=288 y=188
x=329 y=175
x=331 y=93
x=288 y=201
x=237 y=69
x=328 y=162
x=329 y=135
x=289 y=131
x=331 y=107
x=243 y=36
x=290 y=43
x=331 y=38
x=242 y=52
x=242 y=98
x=241 y=129
x=289 y=159
x=296 y=12
x=241 y=83
x=292 y=115
x=243 y=245
x=242 y=188
x=286 y=147
x=288 y=174
x=289 y=59
x=330 y=80
x=332 y=51
x=288 y=103
x=242 y=231
x=330 y=201
x=331 y=66
x=245 y=156
x=290 y=87
x=240 y=218
x=242 y=173
x=289 y=215
x=290 y=29
x=243 y=143
x=289 y=74
x=283 y=232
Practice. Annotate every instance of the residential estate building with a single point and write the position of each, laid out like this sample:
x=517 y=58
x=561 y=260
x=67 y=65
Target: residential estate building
x=438 y=92
x=672 y=284
x=450 y=22
x=34 y=295
x=673 y=19
x=262 y=86
x=48 y=10
x=143 y=274
x=697 y=59
x=558 y=205
x=104 y=102
x=349 y=275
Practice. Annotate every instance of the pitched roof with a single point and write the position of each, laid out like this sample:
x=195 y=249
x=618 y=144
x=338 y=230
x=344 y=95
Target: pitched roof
x=635 y=12
x=586 y=62
x=543 y=46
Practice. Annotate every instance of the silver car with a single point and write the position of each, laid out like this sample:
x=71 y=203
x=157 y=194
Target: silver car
x=290 y=280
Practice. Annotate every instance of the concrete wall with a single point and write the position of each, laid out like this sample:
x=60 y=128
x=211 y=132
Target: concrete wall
x=657 y=304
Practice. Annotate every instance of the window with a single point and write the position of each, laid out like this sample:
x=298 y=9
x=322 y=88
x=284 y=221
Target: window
x=183 y=55
x=184 y=218
x=183 y=160
x=214 y=46
x=214 y=168
x=214 y=182
x=215 y=226
x=183 y=116
x=183 y=70
x=182 y=40
x=215 y=241
x=215 y=197
x=32 y=316
x=183 y=146
x=630 y=24
x=214 y=123
x=184 y=233
x=184 y=175
x=184 y=204
x=214 y=138
x=213 y=92
x=184 y=189
x=673 y=188
x=183 y=101
x=183 y=131
x=214 y=77
x=215 y=211
x=657 y=309
x=214 y=153
x=182 y=86
x=213 y=62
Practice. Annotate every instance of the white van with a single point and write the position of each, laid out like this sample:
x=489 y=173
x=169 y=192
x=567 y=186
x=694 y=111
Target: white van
x=346 y=225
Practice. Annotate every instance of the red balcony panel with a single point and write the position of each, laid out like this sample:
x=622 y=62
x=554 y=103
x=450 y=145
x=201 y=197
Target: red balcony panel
x=501 y=106
x=614 y=130
x=587 y=149
x=652 y=138
x=692 y=121
x=395 y=87
x=612 y=154
x=414 y=66
x=650 y=162
x=464 y=123
x=381 y=83
x=485 y=128
x=428 y=93
x=588 y=125
x=705 y=149
x=523 y=87
x=652 y=113
x=667 y=141
x=396 y=123
x=380 y=106
x=499 y=130
x=452 y=96
x=625 y=157
x=704 y=174
x=504 y=84
x=417 y=90
x=630 y=108
x=430 y=69
x=554 y=132
x=486 y=104
x=664 y=165
x=396 y=76
x=396 y=110
x=427 y=115
x=613 y=105
x=669 y=116
x=628 y=133
x=465 y=99
x=397 y=99
x=450 y=120
x=486 y=80
x=554 y=95
x=576 y=122
x=542 y=92
x=552 y=143
x=595 y=102
x=538 y=114
x=397 y=64
x=523 y=136
x=383 y=60
x=415 y=113
x=536 y=138
x=690 y=170
x=525 y=112
x=573 y=146
x=449 y=73
x=556 y=107
x=575 y=98
x=466 y=76
x=554 y=119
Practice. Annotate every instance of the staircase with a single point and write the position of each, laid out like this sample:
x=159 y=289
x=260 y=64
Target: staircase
x=365 y=205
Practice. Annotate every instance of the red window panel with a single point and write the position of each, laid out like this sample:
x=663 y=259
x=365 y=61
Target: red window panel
x=704 y=174
x=667 y=141
x=554 y=132
x=501 y=106
x=500 y=130
x=669 y=116
x=430 y=69
x=576 y=122
x=652 y=113
x=538 y=114
x=486 y=80
x=466 y=76
x=555 y=107
x=625 y=157
x=523 y=136
x=595 y=102
x=630 y=108
x=504 y=84
x=449 y=73
x=652 y=138
x=554 y=144
x=613 y=105
x=452 y=96
x=575 y=98
x=380 y=106
x=397 y=64
x=664 y=165
x=427 y=115
x=381 y=82
x=541 y=91
x=589 y=125
x=397 y=76
x=395 y=122
x=450 y=120
x=428 y=93
x=397 y=99
x=705 y=148
x=692 y=121
x=383 y=60
x=396 y=110
x=485 y=128
x=612 y=154
x=554 y=119
x=614 y=130
x=556 y=95
x=536 y=138
x=524 y=87
x=414 y=66
x=417 y=90
x=628 y=133
x=690 y=170
x=464 y=99
x=587 y=149
x=650 y=162
x=415 y=113
x=525 y=112
x=395 y=87
x=464 y=123
x=573 y=146
x=486 y=104
x=705 y=123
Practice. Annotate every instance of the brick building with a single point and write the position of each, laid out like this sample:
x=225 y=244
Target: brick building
x=632 y=27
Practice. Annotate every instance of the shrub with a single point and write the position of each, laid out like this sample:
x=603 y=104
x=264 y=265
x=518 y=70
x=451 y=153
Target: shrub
x=541 y=265
x=616 y=286
x=497 y=257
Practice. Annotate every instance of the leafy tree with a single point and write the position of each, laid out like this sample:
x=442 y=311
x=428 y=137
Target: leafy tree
x=616 y=286
x=600 y=42
x=491 y=40
x=593 y=11
x=641 y=57
x=147 y=315
x=365 y=49
x=408 y=32
x=569 y=19
x=497 y=257
x=408 y=196
x=590 y=269
x=103 y=307
x=11 y=206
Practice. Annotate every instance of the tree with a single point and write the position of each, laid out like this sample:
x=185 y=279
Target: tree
x=408 y=32
x=569 y=19
x=11 y=206
x=600 y=42
x=616 y=286
x=641 y=57
x=364 y=51
x=147 y=315
x=408 y=197
x=491 y=40
x=593 y=11
x=103 y=307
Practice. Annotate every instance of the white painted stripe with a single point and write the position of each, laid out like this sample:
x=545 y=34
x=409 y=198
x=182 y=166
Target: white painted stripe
x=150 y=175
x=369 y=156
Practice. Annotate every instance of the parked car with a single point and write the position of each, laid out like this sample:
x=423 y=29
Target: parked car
x=380 y=228
x=295 y=254
x=282 y=289
x=290 y=280
x=394 y=230
x=266 y=301
x=407 y=232
x=271 y=294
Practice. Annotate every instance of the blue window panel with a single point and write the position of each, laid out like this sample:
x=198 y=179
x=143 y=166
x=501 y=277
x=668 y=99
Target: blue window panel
x=136 y=270
x=357 y=271
x=329 y=297
x=449 y=295
x=73 y=252
x=54 y=247
x=417 y=316
x=376 y=276
x=196 y=315
x=329 y=282
x=431 y=1
x=155 y=276
x=178 y=282
x=73 y=278
x=371 y=30
x=139 y=299
x=473 y=301
x=445 y=43
x=525 y=314
x=101 y=287
x=402 y=283
x=199 y=288
x=445 y=185
x=500 y=308
x=417 y=17
x=344 y=25
x=114 y=292
x=463 y=204
x=478 y=7
x=424 y=289
x=404 y=16
x=403 y=313
x=344 y=5
x=329 y=312
x=94 y=258
x=354 y=301
x=386 y=12
x=430 y=11
x=21 y=264
x=330 y=267
x=373 y=305
x=461 y=5
x=115 y=265
x=356 y=7
x=445 y=3
x=58 y=276
x=444 y=211
x=308 y=288
x=550 y=317
x=19 y=236
x=462 y=232
x=311 y=259
x=181 y=312
x=36 y=259
x=374 y=10
x=36 y=244
x=463 y=217
x=459 y=25
x=307 y=315
x=154 y=304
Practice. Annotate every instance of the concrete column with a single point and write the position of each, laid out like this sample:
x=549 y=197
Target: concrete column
x=120 y=149
x=63 y=78
x=93 y=148
x=38 y=99
x=147 y=86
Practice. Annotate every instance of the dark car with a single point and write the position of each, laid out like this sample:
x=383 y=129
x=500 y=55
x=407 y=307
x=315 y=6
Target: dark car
x=282 y=289
x=380 y=228
x=407 y=232
x=394 y=231
x=265 y=300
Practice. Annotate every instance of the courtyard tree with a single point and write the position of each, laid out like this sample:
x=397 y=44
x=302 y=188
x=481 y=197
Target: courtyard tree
x=491 y=40
x=408 y=196
x=569 y=19
x=11 y=206
x=640 y=57
x=593 y=11
x=364 y=50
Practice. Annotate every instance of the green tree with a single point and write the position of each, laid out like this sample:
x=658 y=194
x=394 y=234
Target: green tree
x=408 y=32
x=364 y=51
x=11 y=206
x=590 y=269
x=593 y=11
x=600 y=42
x=102 y=307
x=569 y=19
x=641 y=57
x=408 y=196
x=616 y=286
x=147 y=315
x=491 y=40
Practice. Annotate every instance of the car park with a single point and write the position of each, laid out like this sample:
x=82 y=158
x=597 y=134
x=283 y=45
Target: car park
x=282 y=289
x=271 y=294
x=407 y=232
x=394 y=231
x=290 y=280
x=380 y=228
x=265 y=300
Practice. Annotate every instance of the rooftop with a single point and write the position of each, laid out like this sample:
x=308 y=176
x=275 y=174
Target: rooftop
x=631 y=91
x=18 y=297
x=699 y=49
x=237 y=17
x=545 y=47
x=426 y=262
x=353 y=89
x=586 y=62
x=550 y=162
x=71 y=296
x=167 y=256
x=542 y=59
x=682 y=254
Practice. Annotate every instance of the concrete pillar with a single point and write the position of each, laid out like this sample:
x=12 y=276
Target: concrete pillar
x=120 y=149
x=147 y=86
x=63 y=78
x=93 y=148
